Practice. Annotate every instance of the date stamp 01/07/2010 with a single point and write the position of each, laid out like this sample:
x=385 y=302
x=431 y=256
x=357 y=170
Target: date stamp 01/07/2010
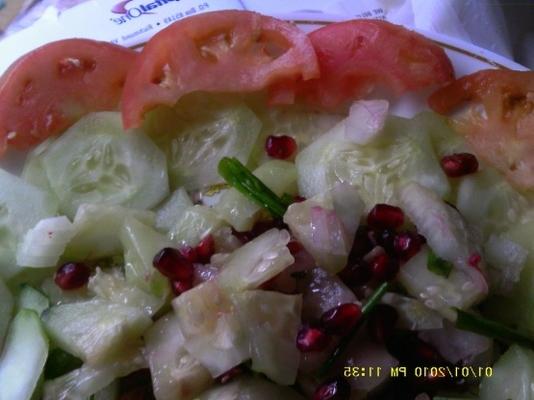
x=418 y=372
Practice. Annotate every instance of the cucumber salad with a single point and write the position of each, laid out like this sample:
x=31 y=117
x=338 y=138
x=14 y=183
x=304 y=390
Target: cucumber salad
x=238 y=212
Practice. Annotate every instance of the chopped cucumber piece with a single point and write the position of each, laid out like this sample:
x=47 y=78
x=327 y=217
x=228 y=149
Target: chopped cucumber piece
x=6 y=309
x=445 y=140
x=33 y=171
x=413 y=314
x=401 y=154
x=248 y=388
x=58 y=296
x=98 y=228
x=23 y=357
x=272 y=321
x=326 y=225
x=95 y=331
x=95 y=161
x=21 y=207
x=512 y=378
x=110 y=392
x=212 y=331
x=170 y=212
x=141 y=243
x=195 y=223
x=43 y=245
x=112 y=286
x=82 y=383
x=242 y=213
x=196 y=144
x=175 y=374
x=32 y=299
x=256 y=262
x=59 y=363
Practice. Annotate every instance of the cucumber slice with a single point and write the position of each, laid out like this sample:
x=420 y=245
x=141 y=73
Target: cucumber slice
x=240 y=212
x=272 y=321
x=199 y=141
x=96 y=162
x=98 y=228
x=445 y=140
x=43 y=245
x=413 y=314
x=513 y=375
x=248 y=388
x=6 y=309
x=141 y=243
x=112 y=286
x=21 y=207
x=170 y=212
x=256 y=262
x=32 y=299
x=212 y=331
x=401 y=154
x=96 y=331
x=175 y=374
x=110 y=392
x=195 y=223
x=33 y=171
x=58 y=296
x=23 y=357
x=88 y=380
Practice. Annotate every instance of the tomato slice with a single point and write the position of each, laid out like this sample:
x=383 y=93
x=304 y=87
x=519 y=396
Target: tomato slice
x=50 y=88
x=499 y=119
x=225 y=51
x=357 y=56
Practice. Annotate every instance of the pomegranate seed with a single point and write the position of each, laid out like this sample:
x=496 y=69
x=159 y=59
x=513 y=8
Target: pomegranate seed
x=299 y=199
x=190 y=253
x=341 y=319
x=333 y=389
x=356 y=274
x=72 y=275
x=230 y=375
x=281 y=147
x=311 y=339
x=361 y=245
x=474 y=260
x=294 y=247
x=179 y=287
x=205 y=249
x=459 y=164
x=385 y=216
x=427 y=354
x=384 y=267
x=384 y=238
x=381 y=323
x=171 y=263
x=407 y=244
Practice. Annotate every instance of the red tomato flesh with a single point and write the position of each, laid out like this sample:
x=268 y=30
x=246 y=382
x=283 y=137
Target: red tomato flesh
x=357 y=56
x=50 y=88
x=225 y=51
x=498 y=121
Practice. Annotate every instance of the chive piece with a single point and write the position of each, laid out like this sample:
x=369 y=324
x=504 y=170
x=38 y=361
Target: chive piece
x=239 y=177
x=437 y=265
x=368 y=307
x=475 y=323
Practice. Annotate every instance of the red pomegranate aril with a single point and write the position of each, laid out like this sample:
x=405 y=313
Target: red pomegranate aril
x=205 y=249
x=384 y=267
x=179 y=287
x=407 y=244
x=72 y=275
x=171 y=263
x=385 y=216
x=190 y=253
x=341 y=319
x=474 y=260
x=294 y=247
x=310 y=339
x=381 y=323
x=230 y=375
x=427 y=354
x=384 y=238
x=334 y=389
x=281 y=147
x=459 y=164
x=356 y=274
x=361 y=245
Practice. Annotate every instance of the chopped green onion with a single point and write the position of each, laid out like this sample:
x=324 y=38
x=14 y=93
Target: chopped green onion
x=368 y=307
x=483 y=326
x=239 y=177
x=437 y=265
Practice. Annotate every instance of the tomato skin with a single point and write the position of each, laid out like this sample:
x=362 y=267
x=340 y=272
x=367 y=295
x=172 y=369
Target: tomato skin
x=499 y=122
x=50 y=88
x=224 y=51
x=358 y=55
